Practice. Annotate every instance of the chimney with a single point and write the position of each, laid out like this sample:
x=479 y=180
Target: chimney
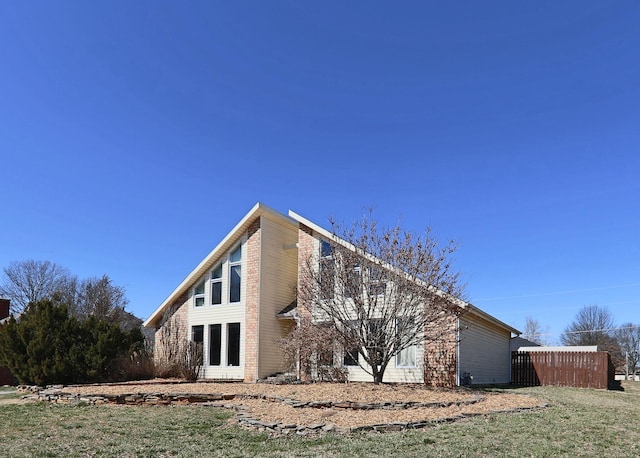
x=4 y=308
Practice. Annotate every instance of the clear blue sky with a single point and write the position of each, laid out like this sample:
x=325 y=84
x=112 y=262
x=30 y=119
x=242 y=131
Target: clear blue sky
x=134 y=135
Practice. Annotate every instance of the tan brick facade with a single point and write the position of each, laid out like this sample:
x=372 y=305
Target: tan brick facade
x=440 y=357
x=306 y=250
x=252 y=302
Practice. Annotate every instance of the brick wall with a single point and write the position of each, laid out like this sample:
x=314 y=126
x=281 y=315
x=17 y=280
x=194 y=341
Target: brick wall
x=252 y=302
x=440 y=356
x=306 y=252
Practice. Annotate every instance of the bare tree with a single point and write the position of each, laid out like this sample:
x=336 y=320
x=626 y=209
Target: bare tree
x=628 y=337
x=175 y=354
x=381 y=291
x=310 y=350
x=594 y=325
x=534 y=332
x=99 y=297
x=32 y=281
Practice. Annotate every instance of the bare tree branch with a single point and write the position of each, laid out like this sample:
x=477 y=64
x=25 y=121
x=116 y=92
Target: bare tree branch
x=382 y=290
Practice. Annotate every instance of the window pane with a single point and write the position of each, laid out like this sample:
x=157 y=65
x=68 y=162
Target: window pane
x=234 y=284
x=325 y=249
x=216 y=293
x=200 y=288
x=217 y=272
x=215 y=343
x=406 y=357
x=199 y=301
x=376 y=340
x=197 y=334
x=327 y=279
x=233 y=344
x=351 y=357
x=236 y=256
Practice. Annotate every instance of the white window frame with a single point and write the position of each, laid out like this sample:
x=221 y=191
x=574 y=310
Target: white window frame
x=201 y=295
x=412 y=348
x=216 y=280
x=233 y=264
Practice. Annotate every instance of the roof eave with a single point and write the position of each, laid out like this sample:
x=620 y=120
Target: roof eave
x=232 y=237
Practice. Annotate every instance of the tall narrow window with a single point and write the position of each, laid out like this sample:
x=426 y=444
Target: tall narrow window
x=327 y=271
x=351 y=352
x=233 y=344
x=216 y=285
x=198 y=294
x=353 y=283
x=197 y=337
x=376 y=340
x=215 y=344
x=235 y=274
x=197 y=334
x=407 y=356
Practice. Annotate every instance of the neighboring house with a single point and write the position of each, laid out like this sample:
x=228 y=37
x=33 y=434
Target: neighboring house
x=517 y=342
x=241 y=299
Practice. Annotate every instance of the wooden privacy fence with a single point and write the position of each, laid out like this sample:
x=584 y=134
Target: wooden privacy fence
x=562 y=368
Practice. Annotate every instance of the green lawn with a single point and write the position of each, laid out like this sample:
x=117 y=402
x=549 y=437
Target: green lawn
x=578 y=423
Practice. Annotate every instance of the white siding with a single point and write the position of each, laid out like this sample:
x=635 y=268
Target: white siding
x=222 y=314
x=278 y=277
x=393 y=374
x=484 y=351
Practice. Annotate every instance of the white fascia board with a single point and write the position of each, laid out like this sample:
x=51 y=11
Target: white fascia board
x=257 y=210
x=459 y=302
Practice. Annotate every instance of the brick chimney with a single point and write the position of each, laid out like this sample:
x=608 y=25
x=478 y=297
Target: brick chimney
x=4 y=308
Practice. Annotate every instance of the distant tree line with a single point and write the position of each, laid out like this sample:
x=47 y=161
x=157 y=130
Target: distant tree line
x=32 y=281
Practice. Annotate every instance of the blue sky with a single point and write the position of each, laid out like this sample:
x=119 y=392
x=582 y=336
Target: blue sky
x=134 y=135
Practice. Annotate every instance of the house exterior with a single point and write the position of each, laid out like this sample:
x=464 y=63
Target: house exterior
x=241 y=299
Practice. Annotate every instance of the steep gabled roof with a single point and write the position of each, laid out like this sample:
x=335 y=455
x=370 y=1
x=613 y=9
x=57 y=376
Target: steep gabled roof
x=472 y=309
x=207 y=263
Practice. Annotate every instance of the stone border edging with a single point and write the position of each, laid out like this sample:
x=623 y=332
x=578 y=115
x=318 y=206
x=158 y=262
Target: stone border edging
x=243 y=415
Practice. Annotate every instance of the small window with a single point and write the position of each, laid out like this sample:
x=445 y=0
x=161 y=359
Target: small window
x=198 y=294
x=233 y=344
x=235 y=274
x=351 y=357
x=325 y=249
x=236 y=256
x=377 y=283
x=216 y=285
x=215 y=344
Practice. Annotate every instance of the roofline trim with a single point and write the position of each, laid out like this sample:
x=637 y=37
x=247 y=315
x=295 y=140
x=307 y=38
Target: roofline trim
x=259 y=209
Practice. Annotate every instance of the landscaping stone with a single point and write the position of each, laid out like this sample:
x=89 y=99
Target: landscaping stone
x=56 y=394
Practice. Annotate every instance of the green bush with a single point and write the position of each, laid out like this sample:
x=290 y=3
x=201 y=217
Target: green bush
x=46 y=345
